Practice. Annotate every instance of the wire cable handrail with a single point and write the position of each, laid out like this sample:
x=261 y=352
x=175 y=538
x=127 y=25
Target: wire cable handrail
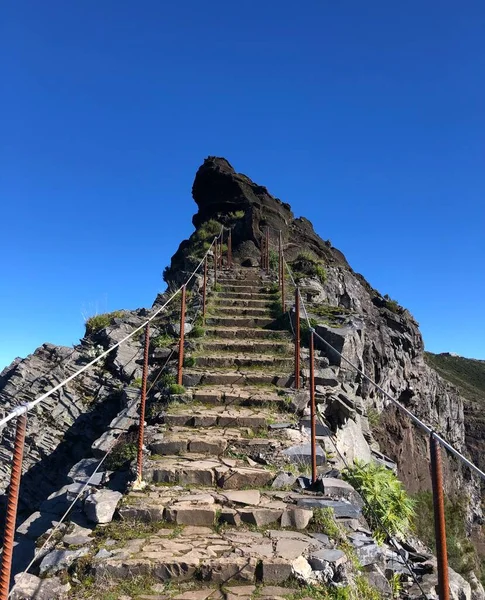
x=429 y=430
x=26 y=407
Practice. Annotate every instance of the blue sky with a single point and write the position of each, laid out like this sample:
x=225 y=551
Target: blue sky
x=367 y=117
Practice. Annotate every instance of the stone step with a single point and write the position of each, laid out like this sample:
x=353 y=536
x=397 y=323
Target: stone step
x=241 y=311
x=200 y=553
x=280 y=347
x=234 y=321
x=227 y=395
x=215 y=441
x=230 y=360
x=207 y=507
x=219 y=416
x=247 y=333
x=197 y=376
x=244 y=281
x=199 y=470
x=243 y=302
x=267 y=296
x=241 y=288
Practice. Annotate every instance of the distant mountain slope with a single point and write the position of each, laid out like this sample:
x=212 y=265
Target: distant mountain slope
x=468 y=375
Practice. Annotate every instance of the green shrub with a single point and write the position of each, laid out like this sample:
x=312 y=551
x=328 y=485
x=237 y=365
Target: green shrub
x=137 y=382
x=208 y=230
x=307 y=265
x=392 y=305
x=462 y=555
x=388 y=507
x=99 y=322
x=274 y=260
x=166 y=380
x=121 y=455
x=197 y=331
x=189 y=361
x=162 y=341
x=175 y=389
x=239 y=214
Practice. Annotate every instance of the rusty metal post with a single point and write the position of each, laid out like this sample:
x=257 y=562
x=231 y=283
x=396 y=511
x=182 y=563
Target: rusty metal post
x=439 y=518
x=283 y=292
x=267 y=249
x=215 y=262
x=141 y=427
x=229 y=249
x=182 y=339
x=204 y=290
x=313 y=412
x=280 y=261
x=12 y=503
x=297 y=339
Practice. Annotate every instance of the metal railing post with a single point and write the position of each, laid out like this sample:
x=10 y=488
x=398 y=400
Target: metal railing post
x=313 y=412
x=280 y=262
x=229 y=249
x=439 y=518
x=297 y=339
x=182 y=338
x=141 y=427
x=12 y=503
x=215 y=263
x=204 y=290
x=267 y=250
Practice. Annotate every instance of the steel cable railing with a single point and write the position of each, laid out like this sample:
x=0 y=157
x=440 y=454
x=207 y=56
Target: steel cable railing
x=20 y=412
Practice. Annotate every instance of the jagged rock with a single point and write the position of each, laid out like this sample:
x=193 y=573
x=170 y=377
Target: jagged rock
x=283 y=480
x=298 y=518
x=377 y=579
x=174 y=329
x=478 y=593
x=79 y=536
x=460 y=589
x=302 y=454
x=319 y=559
x=369 y=554
x=101 y=505
x=57 y=560
x=343 y=510
x=29 y=586
x=302 y=570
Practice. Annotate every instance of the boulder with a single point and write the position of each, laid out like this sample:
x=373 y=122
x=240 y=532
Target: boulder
x=29 y=586
x=58 y=560
x=100 y=506
x=302 y=454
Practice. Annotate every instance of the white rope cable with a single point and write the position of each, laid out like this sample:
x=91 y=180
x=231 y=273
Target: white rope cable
x=80 y=493
x=23 y=408
x=429 y=430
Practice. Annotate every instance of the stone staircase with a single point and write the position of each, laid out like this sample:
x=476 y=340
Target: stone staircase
x=222 y=496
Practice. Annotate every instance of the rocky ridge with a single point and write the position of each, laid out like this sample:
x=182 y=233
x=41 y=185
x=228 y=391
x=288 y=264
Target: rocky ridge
x=370 y=330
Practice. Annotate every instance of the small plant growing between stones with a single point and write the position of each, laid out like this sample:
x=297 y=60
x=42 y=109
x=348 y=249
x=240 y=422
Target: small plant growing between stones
x=99 y=322
x=137 y=382
x=121 y=455
x=189 y=361
x=388 y=507
x=175 y=389
x=197 y=332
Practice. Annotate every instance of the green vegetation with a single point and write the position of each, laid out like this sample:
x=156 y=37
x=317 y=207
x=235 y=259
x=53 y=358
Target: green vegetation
x=162 y=341
x=137 y=382
x=175 y=389
x=190 y=361
x=392 y=305
x=466 y=373
x=374 y=417
x=239 y=214
x=462 y=555
x=201 y=239
x=99 y=322
x=388 y=507
x=274 y=260
x=305 y=330
x=122 y=454
x=307 y=265
x=197 y=332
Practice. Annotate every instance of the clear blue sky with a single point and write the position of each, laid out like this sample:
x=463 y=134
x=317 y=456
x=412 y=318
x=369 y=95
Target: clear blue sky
x=367 y=117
